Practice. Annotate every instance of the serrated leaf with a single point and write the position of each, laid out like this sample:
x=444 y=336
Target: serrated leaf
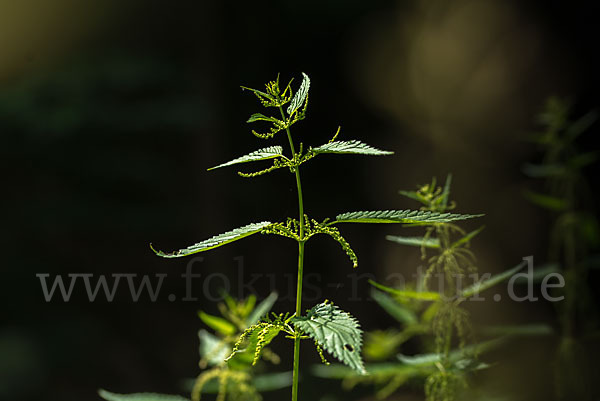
x=212 y=348
x=402 y=216
x=350 y=147
x=262 y=309
x=261 y=154
x=392 y=307
x=414 y=241
x=336 y=331
x=216 y=241
x=492 y=281
x=217 y=323
x=260 y=117
x=300 y=95
x=466 y=238
x=409 y=294
x=107 y=395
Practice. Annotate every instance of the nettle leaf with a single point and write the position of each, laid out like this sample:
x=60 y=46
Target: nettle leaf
x=546 y=201
x=217 y=240
x=492 y=281
x=415 y=241
x=350 y=147
x=402 y=216
x=261 y=117
x=336 y=331
x=408 y=294
x=300 y=96
x=249 y=346
x=212 y=349
x=261 y=154
x=466 y=238
x=139 y=397
x=218 y=324
x=262 y=309
x=398 y=311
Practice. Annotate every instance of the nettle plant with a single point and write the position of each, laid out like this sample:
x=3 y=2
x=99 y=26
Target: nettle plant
x=574 y=237
x=326 y=325
x=432 y=309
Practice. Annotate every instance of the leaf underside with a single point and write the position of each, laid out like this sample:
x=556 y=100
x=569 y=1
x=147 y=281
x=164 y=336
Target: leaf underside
x=261 y=154
x=336 y=331
x=300 y=96
x=350 y=147
x=402 y=216
x=217 y=240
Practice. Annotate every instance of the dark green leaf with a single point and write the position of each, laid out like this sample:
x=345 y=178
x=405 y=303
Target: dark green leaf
x=336 y=331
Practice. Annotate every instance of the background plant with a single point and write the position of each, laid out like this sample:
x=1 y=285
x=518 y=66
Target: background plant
x=574 y=241
x=432 y=311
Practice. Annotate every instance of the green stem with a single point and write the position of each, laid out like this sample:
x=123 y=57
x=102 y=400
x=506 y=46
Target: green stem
x=300 y=264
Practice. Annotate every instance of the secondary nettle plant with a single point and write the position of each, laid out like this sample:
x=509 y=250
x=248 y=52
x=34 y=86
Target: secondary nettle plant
x=432 y=309
x=575 y=236
x=326 y=325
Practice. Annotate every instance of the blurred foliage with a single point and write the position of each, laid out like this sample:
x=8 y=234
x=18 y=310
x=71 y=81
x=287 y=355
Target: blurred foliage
x=574 y=241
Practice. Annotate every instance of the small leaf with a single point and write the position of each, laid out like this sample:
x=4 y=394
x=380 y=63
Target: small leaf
x=261 y=117
x=446 y=193
x=216 y=241
x=546 y=201
x=492 y=281
x=544 y=170
x=402 y=216
x=300 y=96
x=350 y=147
x=539 y=329
x=409 y=294
x=217 y=323
x=414 y=195
x=255 y=338
x=139 y=397
x=466 y=238
x=454 y=356
x=261 y=154
x=336 y=331
x=539 y=273
x=581 y=125
x=262 y=309
x=212 y=349
x=395 y=309
x=415 y=241
x=272 y=381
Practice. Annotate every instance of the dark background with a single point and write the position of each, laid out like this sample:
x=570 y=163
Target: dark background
x=110 y=113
